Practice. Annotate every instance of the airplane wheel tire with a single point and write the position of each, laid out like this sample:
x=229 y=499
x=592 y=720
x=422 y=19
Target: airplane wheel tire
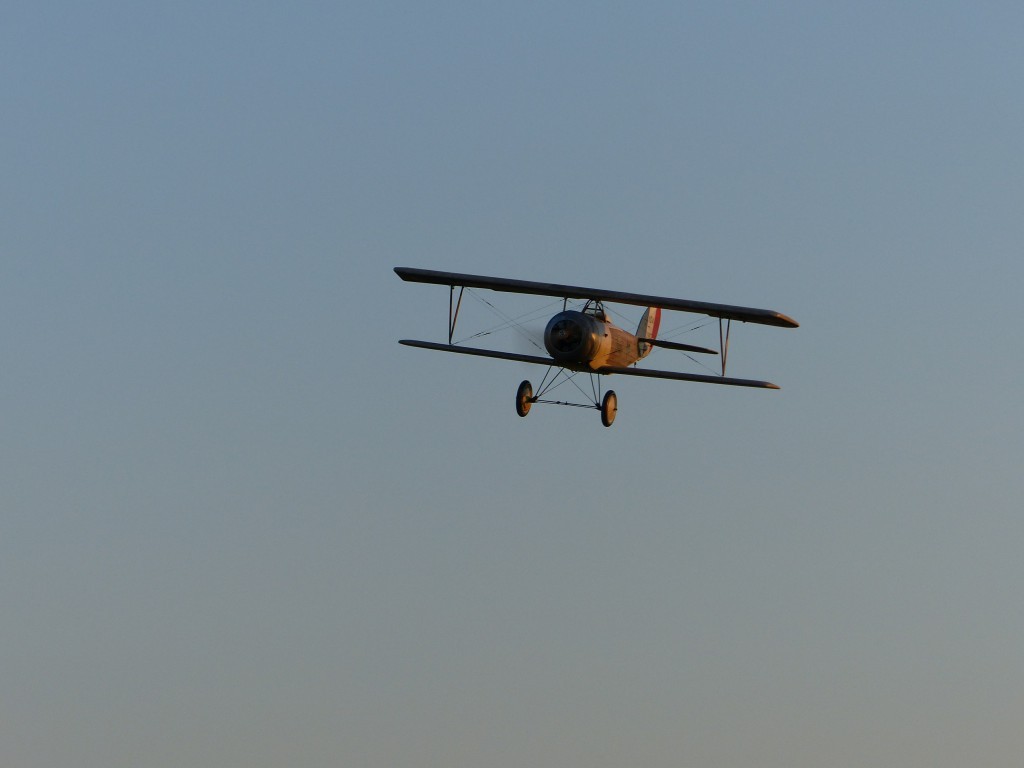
x=524 y=398
x=609 y=407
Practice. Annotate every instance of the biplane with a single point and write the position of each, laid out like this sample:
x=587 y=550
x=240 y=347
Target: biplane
x=585 y=340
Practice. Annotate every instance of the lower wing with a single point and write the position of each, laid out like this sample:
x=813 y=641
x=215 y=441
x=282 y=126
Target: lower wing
x=536 y=359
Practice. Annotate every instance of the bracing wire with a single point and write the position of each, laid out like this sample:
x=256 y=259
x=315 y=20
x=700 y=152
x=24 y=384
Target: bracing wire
x=515 y=323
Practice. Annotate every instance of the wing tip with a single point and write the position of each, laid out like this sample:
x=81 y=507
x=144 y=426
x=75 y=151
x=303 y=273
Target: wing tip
x=786 y=321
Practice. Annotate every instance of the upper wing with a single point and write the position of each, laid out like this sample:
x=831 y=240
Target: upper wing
x=604 y=371
x=724 y=311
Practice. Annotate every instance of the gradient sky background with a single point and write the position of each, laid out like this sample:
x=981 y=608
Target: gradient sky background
x=241 y=526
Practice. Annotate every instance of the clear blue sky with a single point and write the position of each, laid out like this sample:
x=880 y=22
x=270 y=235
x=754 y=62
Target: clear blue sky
x=241 y=526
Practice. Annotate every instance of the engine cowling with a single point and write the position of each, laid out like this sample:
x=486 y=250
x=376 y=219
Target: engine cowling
x=573 y=338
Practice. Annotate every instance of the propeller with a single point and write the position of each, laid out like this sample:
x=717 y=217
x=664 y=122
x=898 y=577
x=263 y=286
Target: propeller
x=529 y=339
x=566 y=335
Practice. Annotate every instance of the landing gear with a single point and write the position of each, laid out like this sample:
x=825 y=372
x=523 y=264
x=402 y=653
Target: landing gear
x=524 y=398
x=609 y=407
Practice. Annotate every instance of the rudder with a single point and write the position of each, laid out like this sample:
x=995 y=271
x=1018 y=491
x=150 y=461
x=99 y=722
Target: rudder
x=648 y=329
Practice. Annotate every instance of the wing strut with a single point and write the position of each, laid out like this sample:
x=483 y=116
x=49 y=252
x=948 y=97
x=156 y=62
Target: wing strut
x=453 y=318
x=723 y=342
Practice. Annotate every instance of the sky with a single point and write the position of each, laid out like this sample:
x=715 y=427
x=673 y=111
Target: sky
x=241 y=526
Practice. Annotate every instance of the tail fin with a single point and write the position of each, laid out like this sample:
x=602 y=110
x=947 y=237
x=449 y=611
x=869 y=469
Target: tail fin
x=648 y=329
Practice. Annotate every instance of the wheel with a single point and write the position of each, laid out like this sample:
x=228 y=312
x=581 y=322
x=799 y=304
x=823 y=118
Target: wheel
x=524 y=398
x=609 y=407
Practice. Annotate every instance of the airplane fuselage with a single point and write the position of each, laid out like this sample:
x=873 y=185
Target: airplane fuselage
x=589 y=341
